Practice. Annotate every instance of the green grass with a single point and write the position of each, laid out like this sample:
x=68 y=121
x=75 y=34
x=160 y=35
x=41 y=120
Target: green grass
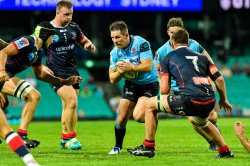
x=176 y=144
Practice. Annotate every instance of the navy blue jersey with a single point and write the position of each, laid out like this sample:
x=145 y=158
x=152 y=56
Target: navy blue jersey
x=191 y=71
x=27 y=55
x=61 y=54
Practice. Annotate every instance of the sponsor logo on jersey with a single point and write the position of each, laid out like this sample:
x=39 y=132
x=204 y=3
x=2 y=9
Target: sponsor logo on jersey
x=63 y=30
x=67 y=48
x=21 y=43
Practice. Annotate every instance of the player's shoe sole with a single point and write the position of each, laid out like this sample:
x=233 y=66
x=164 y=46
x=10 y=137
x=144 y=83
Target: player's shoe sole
x=142 y=151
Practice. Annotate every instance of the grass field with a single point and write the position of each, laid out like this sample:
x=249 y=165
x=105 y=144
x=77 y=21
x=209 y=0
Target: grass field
x=176 y=144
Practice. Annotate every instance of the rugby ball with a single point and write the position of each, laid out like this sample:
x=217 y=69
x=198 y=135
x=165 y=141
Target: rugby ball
x=129 y=74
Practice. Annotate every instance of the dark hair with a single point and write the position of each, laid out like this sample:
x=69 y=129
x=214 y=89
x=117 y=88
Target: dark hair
x=118 y=25
x=44 y=30
x=180 y=36
x=64 y=3
x=175 y=22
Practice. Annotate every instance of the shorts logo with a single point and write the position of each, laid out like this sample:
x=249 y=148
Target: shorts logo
x=128 y=93
x=181 y=113
x=21 y=43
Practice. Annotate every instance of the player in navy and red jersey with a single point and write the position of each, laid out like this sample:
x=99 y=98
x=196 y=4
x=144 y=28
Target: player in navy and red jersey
x=19 y=55
x=195 y=96
x=172 y=25
x=61 y=60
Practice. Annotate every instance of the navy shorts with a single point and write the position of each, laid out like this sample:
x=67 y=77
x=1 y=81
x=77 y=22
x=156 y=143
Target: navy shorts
x=132 y=91
x=65 y=75
x=185 y=106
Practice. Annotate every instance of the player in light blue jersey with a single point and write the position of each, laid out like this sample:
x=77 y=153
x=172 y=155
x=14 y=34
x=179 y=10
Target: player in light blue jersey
x=173 y=25
x=136 y=56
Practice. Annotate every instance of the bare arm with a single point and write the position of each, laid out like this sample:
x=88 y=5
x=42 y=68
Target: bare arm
x=208 y=56
x=144 y=66
x=221 y=87
x=87 y=44
x=3 y=44
x=165 y=84
x=239 y=131
x=47 y=77
x=10 y=50
x=114 y=76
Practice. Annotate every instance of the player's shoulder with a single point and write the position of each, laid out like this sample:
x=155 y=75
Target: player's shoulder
x=73 y=24
x=165 y=47
x=113 y=51
x=138 y=39
x=23 y=41
x=193 y=42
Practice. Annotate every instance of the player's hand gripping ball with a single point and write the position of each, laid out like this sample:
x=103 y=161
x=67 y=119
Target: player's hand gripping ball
x=126 y=74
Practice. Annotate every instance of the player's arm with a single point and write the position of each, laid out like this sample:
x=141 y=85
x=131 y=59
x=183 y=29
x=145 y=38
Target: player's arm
x=3 y=44
x=86 y=44
x=208 y=56
x=221 y=87
x=4 y=53
x=144 y=66
x=114 y=75
x=165 y=83
x=157 y=62
x=239 y=131
x=47 y=77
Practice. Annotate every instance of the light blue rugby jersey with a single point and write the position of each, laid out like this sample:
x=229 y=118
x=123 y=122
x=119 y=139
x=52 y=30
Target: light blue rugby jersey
x=166 y=48
x=137 y=50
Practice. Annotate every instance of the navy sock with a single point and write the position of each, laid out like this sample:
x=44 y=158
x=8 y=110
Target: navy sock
x=119 y=135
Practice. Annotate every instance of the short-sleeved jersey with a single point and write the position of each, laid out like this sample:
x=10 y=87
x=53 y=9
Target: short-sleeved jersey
x=137 y=50
x=27 y=55
x=167 y=47
x=61 y=54
x=190 y=70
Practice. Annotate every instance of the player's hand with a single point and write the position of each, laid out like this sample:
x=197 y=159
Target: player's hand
x=239 y=128
x=3 y=76
x=73 y=80
x=89 y=46
x=226 y=106
x=124 y=66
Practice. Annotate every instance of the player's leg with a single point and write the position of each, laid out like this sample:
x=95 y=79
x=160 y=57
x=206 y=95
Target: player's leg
x=154 y=105
x=214 y=134
x=23 y=90
x=124 y=111
x=212 y=145
x=147 y=91
x=69 y=102
x=15 y=142
x=139 y=111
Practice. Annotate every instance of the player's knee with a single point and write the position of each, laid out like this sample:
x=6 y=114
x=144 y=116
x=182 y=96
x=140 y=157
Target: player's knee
x=213 y=117
x=199 y=122
x=33 y=96
x=122 y=121
x=72 y=104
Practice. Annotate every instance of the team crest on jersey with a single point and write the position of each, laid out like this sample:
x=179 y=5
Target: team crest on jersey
x=133 y=50
x=21 y=43
x=55 y=39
